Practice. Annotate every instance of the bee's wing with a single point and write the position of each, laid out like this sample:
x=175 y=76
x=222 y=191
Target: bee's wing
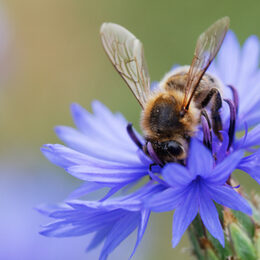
x=207 y=47
x=127 y=55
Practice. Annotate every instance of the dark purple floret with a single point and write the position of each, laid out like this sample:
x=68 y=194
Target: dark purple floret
x=207 y=133
x=133 y=136
x=235 y=97
x=232 y=121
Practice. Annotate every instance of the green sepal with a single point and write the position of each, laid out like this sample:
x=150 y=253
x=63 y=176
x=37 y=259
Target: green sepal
x=242 y=244
x=257 y=243
x=197 y=225
x=211 y=255
x=197 y=251
x=223 y=253
x=246 y=222
x=242 y=235
x=256 y=214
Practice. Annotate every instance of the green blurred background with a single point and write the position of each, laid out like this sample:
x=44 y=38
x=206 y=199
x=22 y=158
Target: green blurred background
x=54 y=57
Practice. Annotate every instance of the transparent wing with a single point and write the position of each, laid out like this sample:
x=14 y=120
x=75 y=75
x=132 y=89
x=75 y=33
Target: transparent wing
x=126 y=54
x=207 y=47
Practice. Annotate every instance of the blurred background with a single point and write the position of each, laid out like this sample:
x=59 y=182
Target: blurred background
x=51 y=56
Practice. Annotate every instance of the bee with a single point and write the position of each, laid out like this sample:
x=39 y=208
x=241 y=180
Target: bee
x=171 y=114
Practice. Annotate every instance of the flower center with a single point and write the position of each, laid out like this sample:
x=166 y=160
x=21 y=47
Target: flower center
x=197 y=179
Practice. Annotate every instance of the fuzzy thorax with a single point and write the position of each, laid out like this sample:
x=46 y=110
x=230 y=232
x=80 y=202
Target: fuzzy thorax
x=161 y=119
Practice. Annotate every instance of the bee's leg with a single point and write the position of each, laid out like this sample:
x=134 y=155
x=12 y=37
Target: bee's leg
x=215 y=96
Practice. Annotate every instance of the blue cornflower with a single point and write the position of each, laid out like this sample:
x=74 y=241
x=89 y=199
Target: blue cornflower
x=99 y=152
x=192 y=190
x=105 y=151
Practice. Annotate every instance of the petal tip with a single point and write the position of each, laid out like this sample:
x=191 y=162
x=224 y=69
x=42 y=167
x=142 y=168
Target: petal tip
x=175 y=242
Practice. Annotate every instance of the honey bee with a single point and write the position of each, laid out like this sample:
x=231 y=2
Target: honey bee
x=172 y=112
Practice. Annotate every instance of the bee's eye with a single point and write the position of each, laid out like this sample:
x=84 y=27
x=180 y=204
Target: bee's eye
x=174 y=148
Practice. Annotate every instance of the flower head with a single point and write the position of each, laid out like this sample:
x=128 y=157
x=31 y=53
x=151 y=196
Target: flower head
x=105 y=151
x=193 y=189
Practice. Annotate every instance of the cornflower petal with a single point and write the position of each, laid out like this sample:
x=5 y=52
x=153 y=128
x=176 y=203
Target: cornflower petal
x=120 y=231
x=249 y=62
x=129 y=205
x=222 y=171
x=98 y=238
x=209 y=216
x=200 y=161
x=86 y=188
x=221 y=153
x=105 y=116
x=251 y=165
x=249 y=106
x=106 y=175
x=230 y=51
x=228 y=197
x=112 y=191
x=176 y=175
x=147 y=191
x=111 y=221
x=243 y=74
x=114 y=125
x=252 y=139
x=87 y=145
x=63 y=156
x=252 y=115
x=101 y=152
x=99 y=125
x=84 y=121
x=166 y=200
x=145 y=214
x=78 y=223
x=184 y=214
